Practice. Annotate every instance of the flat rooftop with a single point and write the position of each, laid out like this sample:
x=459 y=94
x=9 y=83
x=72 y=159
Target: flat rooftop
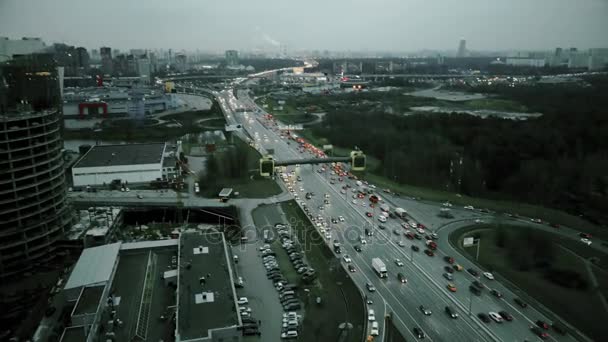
x=207 y=305
x=128 y=154
x=128 y=290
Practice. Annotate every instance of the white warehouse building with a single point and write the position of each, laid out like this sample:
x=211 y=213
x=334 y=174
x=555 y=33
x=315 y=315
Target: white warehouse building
x=132 y=163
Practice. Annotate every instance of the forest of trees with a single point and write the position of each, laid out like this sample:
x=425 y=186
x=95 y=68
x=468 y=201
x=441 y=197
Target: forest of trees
x=559 y=160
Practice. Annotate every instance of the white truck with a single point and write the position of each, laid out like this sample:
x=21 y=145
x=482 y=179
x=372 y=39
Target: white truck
x=385 y=208
x=379 y=266
x=400 y=212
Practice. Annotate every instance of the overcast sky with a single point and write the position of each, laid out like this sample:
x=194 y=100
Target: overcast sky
x=387 y=25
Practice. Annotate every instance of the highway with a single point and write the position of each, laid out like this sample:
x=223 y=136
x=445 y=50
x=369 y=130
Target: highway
x=426 y=285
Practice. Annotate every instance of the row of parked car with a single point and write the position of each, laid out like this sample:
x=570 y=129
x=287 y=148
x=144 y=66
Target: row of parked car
x=295 y=256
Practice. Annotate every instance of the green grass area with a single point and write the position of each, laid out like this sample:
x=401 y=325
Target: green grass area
x=340 y=299
x=492 y=104
x=249 y=184
x=295 y=118
x=564 y=301
x=392 y=334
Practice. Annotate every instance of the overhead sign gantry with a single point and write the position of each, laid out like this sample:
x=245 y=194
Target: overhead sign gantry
x=357 y=160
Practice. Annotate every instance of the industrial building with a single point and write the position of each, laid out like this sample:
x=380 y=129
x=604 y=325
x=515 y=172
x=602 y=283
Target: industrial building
x=178 y=289
x=131 y=163
x=34 y=213
x=115 y=101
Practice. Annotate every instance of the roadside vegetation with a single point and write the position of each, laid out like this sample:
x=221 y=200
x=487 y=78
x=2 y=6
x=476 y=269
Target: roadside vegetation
x=558 y=272
x=558 y=160
x=236 y=166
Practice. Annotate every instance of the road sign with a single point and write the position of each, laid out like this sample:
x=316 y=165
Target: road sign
x=328 y=147
x=468 y=241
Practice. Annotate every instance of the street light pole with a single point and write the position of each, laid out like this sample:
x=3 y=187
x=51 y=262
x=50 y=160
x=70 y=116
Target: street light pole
x=477 y=254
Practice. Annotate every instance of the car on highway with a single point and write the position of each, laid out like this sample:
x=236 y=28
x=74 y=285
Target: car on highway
x=346 y=258
x=362 y=240
x=469 y=207
x=424 y=310
x=374 y=331
x=451 y=287
x=396 y=232
x=371 y=315
x=370 y=287
x=448 y=259
x=398 y=262
x=488 y=275
x=485 y=318
x=457 y=267
x=242 y=301
x=429 y=252
x=351 y=268
x=585 y=235
x=448 y=276
x=409 y=235
x=369 y=214
x=415 y=248
x=451 y=312
x=586 y=241
x=542 y=324
x=448 y=269
x=520 y=302
x=401 y=244
x=496 y=293
x=539 y=332
x=505 y=315
x=475 y=290
x=495 y=316
x=401 y=278
x=418 y=332
x=341 y=218
x=477 y=284
x=473 y=272
x=358 y=248
x=381 y=219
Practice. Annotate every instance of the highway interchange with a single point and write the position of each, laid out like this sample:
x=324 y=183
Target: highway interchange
x=426 y=285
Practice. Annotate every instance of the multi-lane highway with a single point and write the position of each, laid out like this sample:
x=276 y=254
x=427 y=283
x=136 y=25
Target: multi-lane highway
x=426 y=284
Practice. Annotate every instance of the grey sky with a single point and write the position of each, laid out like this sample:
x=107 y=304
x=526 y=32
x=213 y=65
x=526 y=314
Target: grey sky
x=388 y=25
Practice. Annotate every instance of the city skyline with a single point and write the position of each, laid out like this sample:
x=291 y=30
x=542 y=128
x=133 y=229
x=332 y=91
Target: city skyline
x=336 y=26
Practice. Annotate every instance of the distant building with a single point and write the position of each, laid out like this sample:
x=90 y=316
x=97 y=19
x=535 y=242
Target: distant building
x=598 y=58
x=107 y=66
x=23 y=46
x=526 y=62
x=462 y=48
x=82 y=58
x=232 y=58
x=181 y=63
x=132 y=163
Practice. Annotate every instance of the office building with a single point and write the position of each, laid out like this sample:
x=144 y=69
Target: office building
x=526 y=62
x=33 y=209
x=107 y=65
x=462 y=48
x=181 y=63
x=232 y=58
x=23 y=46
x=132 y=163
